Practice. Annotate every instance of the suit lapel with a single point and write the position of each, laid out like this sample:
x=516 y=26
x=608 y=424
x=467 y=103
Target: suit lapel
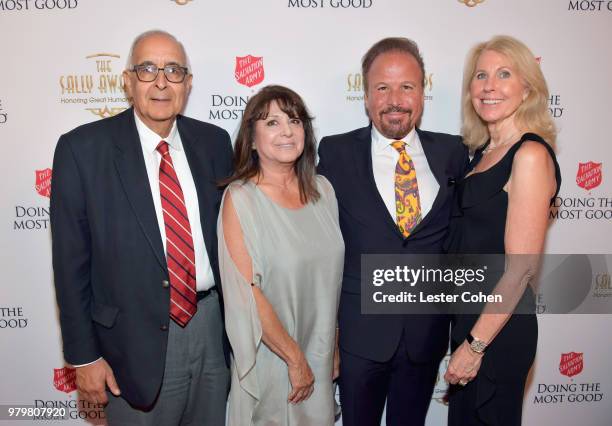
x=437 y=168
x=202 y=169
x=363 y=162
x=130 y=166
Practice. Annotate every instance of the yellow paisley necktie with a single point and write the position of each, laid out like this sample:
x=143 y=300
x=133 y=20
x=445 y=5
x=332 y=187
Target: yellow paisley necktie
x=407 y=202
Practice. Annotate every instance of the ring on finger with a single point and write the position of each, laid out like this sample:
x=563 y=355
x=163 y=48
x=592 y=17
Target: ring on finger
x=463 y=382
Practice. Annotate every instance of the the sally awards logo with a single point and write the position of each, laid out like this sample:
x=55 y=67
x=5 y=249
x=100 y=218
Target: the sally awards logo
x=568 y=390
x=248 y=72
x=354 y=87
x=596 y=204
x=97 y=86
x=602 y=285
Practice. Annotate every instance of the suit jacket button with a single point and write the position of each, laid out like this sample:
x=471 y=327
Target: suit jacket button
x=165 y=284
x=164 y=327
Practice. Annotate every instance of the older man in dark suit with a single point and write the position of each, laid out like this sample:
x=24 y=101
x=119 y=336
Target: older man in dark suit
x=133 y=216
x=394 y=184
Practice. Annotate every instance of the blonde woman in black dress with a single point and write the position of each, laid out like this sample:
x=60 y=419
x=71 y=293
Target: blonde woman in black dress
x=502 y=208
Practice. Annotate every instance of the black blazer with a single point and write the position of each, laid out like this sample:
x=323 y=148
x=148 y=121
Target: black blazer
x=108 y=256
x=367 y=228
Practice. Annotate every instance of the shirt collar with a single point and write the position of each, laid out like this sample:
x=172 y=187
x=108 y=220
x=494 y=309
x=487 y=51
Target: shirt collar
x=149 y=139
x=380 y=142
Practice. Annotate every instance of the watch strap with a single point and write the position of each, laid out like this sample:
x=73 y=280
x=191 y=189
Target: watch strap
x=476 y=345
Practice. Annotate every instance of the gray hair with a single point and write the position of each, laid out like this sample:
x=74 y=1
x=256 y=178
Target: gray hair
x=129 y=64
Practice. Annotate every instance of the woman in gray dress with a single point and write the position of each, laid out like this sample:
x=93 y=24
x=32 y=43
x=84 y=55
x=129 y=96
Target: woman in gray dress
x=281 y=255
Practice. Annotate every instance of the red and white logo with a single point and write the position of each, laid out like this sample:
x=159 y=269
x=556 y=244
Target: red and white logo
x=571 y=363
x=249 y=70
x=64 y=379
x=43 y=182
x=589 y=175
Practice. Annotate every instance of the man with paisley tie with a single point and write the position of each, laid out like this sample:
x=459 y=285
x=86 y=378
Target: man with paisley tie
x=394 y=183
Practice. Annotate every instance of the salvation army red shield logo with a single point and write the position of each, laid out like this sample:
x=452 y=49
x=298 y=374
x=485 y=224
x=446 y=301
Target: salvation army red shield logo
x=64 y=379
x=43 y=182
x=249 y=70
x=571 y=363
x=589 y=175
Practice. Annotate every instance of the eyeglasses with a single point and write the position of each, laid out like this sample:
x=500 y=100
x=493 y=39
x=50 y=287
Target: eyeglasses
x=148 y=72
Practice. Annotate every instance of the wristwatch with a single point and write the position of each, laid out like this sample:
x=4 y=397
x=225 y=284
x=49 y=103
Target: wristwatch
x=478 y=346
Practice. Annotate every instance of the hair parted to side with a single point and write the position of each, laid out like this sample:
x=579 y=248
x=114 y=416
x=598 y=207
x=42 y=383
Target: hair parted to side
x=130 y=64
x=390 y=44
x=532 y=115
x=246 y=160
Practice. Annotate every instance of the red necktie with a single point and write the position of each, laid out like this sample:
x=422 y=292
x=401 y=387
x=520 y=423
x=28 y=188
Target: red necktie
x=180 y=255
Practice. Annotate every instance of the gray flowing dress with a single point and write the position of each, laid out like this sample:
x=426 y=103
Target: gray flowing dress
x=297 y=257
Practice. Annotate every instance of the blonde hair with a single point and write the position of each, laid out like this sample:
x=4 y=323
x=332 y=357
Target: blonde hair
x=532 y=115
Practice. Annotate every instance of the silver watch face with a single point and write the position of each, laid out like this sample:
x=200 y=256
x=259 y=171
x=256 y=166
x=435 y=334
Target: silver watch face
x=478 y=346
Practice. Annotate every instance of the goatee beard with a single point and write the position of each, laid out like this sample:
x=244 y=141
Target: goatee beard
x=395 y=129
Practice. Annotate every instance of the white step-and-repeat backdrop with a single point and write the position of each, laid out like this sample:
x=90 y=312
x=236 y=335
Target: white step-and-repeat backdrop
x=61 y=67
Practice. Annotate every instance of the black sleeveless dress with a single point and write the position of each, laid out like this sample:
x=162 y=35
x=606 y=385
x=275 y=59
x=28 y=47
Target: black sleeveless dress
x=495 y=396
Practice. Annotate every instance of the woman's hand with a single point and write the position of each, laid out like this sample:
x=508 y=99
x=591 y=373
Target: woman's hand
x=463 y=365
x=302 y=380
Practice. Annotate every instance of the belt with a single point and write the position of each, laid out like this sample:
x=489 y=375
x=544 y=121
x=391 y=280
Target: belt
x=200 y=295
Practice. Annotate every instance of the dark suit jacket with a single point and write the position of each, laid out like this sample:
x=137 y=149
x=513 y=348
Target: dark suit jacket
x=367 y=227
x=108 y=256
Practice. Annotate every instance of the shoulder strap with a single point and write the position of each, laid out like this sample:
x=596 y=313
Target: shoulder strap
x=537 y=138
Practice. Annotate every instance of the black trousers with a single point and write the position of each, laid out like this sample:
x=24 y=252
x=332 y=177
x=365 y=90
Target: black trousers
x=365 y=385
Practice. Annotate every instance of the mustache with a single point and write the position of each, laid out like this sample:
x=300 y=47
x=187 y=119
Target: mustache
x=396 y=109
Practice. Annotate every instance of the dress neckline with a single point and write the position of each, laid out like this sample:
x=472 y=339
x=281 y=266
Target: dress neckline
x=274 y=203
x=480 y=151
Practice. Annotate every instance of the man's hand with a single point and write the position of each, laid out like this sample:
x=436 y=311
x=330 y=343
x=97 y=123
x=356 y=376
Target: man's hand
x=92 y=379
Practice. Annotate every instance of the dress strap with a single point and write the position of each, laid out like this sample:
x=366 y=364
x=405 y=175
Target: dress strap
x=537 y=138
x=532 y=137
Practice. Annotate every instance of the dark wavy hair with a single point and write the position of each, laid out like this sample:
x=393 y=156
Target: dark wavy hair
x=246 y=160
x=386 y=45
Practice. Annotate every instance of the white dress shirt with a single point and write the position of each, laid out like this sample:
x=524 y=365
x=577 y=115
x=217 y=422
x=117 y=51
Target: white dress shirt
x=149 y=141
x=384 y=160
